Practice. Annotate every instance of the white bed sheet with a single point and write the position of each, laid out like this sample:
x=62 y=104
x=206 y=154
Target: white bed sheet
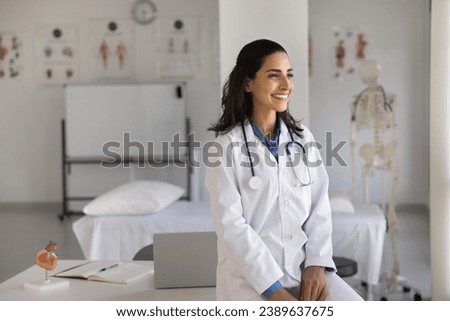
x=120 y=237
x=359 y=235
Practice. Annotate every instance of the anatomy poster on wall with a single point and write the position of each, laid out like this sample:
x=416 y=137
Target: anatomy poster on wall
x=178 y=51
x=350 y=47
x=57 y=54
x=112 y=50
x=10 y=55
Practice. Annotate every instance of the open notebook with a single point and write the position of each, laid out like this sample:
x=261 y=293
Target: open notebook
x=112 y=272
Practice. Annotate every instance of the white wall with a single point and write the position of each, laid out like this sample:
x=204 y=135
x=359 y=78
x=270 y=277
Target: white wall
x=398 y=38
x=283 y=21
x=30 y=140
x=30 y=120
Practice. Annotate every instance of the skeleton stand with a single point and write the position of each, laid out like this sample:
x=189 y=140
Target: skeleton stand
x=373 y=109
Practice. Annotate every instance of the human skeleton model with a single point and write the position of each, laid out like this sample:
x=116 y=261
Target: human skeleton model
x=373 y=109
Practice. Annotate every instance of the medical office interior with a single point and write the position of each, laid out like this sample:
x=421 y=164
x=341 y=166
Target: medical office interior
x=59 y=56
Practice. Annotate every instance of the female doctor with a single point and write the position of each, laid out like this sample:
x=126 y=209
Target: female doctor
x=269 y=189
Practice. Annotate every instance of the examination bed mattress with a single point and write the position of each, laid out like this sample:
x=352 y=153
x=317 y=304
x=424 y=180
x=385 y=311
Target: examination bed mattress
x=120 y=237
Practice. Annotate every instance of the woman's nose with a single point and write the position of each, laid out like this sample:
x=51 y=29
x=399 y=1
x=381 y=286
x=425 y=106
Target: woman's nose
x=285 y=83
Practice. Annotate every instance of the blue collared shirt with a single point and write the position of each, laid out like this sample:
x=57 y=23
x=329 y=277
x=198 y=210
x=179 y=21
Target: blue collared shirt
x=271 y=144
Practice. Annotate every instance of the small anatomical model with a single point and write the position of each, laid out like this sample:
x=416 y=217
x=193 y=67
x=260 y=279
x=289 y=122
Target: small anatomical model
x=47 y=258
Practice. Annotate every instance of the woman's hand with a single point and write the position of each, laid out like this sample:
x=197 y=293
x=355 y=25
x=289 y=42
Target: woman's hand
x=313 y=286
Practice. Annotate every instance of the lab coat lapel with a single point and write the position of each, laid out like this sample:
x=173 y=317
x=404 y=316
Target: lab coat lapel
x=284 y=139
x=295 y=162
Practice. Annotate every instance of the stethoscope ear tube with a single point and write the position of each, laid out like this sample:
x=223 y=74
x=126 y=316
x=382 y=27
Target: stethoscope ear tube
x=248 y=150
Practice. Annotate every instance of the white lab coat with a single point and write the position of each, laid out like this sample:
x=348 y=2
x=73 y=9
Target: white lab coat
x=267 y=234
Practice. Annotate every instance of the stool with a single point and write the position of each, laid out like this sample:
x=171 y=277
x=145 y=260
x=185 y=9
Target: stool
x=146 y=253
x=345 y=267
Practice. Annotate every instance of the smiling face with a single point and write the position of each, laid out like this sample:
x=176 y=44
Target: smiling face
x=272 y=85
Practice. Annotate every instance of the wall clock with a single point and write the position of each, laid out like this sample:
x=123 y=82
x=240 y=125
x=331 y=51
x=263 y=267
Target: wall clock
x=143 y=11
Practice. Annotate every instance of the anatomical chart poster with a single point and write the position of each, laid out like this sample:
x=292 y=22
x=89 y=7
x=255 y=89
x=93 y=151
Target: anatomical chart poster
x=57 y=48
x=10 y=55
x=349 y=49
x=112 y=50
x=178 y=51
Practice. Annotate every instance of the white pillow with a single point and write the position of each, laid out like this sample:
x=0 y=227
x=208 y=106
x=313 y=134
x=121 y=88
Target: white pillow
x=137 y=197
x=340 y=202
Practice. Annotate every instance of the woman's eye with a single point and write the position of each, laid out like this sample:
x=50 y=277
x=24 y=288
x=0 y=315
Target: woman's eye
x=290 y=75
x=273 y=76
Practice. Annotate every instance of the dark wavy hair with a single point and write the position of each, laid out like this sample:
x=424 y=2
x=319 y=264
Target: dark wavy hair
x=237 y=105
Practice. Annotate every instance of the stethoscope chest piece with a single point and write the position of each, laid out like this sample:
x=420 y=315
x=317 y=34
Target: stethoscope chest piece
x=255 y=183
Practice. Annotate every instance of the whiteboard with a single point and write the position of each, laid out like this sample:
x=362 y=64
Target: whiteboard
x=124 y=119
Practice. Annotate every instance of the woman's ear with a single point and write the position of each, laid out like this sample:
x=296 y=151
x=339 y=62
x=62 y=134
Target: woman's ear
x=248 y=87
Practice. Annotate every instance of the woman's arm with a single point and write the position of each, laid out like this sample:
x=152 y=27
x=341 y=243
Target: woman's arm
x=282 y=295
x=318 y=227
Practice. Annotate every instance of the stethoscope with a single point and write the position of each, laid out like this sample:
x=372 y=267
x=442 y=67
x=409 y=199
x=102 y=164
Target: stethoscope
x=255 y=182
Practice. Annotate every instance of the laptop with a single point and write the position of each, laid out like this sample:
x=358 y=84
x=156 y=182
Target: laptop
x=185 y=259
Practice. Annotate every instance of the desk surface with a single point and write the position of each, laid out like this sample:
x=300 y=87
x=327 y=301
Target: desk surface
x=83 y=290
